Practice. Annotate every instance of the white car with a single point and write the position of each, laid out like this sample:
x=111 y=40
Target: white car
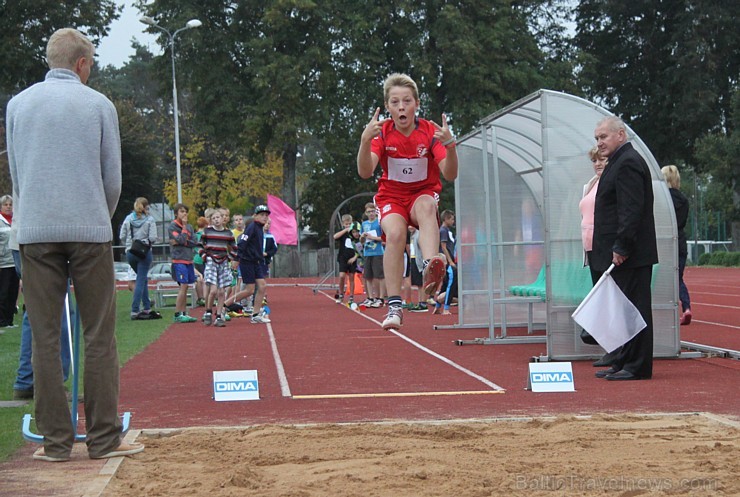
x=160 y=271
x=123 y=271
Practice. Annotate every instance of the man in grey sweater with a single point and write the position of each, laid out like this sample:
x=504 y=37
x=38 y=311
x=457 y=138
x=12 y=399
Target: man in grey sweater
x=64 y=151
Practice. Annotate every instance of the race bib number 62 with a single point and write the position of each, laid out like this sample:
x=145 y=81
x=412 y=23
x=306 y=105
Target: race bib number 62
x=407 y=170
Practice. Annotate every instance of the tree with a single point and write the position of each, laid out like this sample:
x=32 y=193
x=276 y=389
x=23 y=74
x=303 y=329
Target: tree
x=469 y=58
x=138 y=159
x=221 y=178
x=267 y=60
x=25 y=28
x=718 y=154
x=667 y=68
x=285 y=76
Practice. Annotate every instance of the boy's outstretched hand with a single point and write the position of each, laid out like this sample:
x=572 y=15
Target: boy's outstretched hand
x=373 y=128
x=442 y=133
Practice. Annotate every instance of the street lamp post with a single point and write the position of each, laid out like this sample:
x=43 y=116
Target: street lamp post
x=193 y=23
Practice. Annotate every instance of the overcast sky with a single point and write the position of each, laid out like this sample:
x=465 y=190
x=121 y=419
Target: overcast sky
x=115 y=49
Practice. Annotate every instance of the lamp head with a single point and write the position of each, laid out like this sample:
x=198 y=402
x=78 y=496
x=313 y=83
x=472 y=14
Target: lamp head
x=193 y=23
x=148 y=20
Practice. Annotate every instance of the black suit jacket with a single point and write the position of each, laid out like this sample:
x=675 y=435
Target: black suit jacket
x=623 y=214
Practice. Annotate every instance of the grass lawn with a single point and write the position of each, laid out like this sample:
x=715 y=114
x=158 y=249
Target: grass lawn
x=132 y=338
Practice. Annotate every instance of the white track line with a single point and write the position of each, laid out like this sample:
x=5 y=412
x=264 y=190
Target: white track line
x=733 y=307
x=284 y=387
x=721 y=325
x=428 y=351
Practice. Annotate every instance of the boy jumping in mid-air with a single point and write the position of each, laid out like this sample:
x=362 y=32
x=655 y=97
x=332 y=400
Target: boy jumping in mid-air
x=412 y=152
x=217 y=249
x=251 y=264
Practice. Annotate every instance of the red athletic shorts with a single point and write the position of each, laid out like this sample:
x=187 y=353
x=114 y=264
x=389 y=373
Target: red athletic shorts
x=387 y=204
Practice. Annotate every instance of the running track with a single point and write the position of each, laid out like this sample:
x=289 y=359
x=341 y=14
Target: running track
x=321 y=362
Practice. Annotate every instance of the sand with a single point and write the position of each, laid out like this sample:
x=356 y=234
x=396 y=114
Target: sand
x=603 y=455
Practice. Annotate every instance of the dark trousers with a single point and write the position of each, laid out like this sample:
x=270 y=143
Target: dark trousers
x=8 y=295
x=636 y=356
x=608 y=358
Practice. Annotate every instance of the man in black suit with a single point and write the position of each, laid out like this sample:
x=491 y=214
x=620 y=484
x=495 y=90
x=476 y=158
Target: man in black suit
x=624 y=234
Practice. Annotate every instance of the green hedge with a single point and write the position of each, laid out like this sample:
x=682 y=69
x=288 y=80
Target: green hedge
x=727 y=259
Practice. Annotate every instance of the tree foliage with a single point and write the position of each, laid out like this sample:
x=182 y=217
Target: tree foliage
x=668 y=68
x=718 y=152
x=221 y=178
x=25 y=28
x=296 y=75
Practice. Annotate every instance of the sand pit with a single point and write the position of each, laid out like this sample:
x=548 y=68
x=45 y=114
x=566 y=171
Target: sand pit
x=603 y=455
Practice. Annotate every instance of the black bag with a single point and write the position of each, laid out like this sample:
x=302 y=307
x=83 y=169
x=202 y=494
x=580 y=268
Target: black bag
x=587 y=338
x=138 y=248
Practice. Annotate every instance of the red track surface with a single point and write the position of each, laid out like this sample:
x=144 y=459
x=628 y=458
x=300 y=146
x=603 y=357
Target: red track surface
x=715 y=304
x=329 y=350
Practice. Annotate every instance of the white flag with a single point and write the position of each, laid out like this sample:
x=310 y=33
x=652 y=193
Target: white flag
x=608 y=315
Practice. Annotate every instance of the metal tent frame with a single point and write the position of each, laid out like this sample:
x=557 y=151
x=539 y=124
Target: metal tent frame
x=517 y=193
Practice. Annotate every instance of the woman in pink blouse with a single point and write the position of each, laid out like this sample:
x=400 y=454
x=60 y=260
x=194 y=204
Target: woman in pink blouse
x=586 y=205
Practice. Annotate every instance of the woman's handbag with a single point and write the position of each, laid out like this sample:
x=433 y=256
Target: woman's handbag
x=138 y=248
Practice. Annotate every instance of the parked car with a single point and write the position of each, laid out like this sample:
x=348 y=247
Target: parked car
x=160 y=271
x=121 y=270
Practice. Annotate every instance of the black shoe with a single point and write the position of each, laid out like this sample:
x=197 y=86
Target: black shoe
x=623 y=376
x=235 y=307
x=601 y=363
x=23 y=394
x=154 y=315
x=605 y=372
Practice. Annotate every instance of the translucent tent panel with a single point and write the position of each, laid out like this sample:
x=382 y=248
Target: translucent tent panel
x=520 y=180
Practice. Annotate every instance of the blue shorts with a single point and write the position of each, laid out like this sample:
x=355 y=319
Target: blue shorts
x=184 y=274
x=251 y=272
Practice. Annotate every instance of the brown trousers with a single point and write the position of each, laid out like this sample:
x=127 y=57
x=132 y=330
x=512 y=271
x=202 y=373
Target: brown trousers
x=46 y=268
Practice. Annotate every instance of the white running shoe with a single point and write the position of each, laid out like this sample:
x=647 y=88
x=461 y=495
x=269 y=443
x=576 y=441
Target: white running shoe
x=394 y=320
x=260 y=319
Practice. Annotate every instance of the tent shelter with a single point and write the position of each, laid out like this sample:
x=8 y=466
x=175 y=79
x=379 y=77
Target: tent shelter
x=520 y=257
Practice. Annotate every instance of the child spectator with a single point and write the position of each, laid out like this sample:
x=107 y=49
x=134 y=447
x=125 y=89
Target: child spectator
x=251 y=264
x=447 y=294
x=198 y=264
x=347 y=257
x=238 y=225
x=447 y=247
x=236 y=282
x=412 y=152
x=217 y=249
x=371 y=238
x=447 y=238
x=182 y=241
x=270 y=247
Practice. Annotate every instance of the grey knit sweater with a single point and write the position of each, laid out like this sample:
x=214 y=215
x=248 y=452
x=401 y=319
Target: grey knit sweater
x=64 y=150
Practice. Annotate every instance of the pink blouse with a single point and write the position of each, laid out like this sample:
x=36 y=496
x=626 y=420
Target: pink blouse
x=586 y=206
